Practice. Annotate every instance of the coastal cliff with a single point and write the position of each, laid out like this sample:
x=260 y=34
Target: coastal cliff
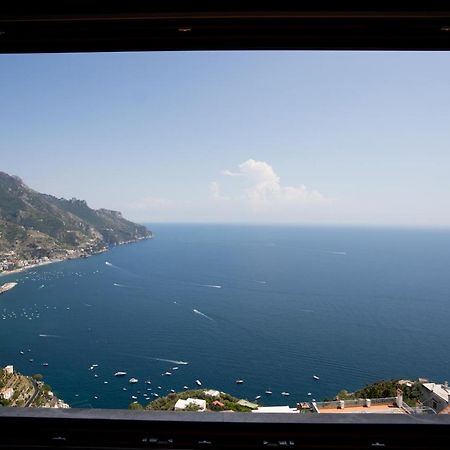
x=36 y=228
x=24 y=391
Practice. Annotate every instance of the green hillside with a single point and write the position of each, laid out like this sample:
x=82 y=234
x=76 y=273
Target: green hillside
x=35 y=225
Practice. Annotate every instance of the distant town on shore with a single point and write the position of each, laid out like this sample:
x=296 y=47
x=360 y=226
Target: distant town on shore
x=38 y=229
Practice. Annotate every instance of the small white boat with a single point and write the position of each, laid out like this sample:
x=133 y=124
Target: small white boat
x=239 y=381
x=155 y=394
x=268 y=392
x=120 y=374
x=185 y=387
x=21 y=352
x=173 y=391
x=94 y=365
x=124 y=389
x=96 y=376
x=134 y=397
x=257 y=397
x=316 y=377
x=199 y=383
x=148 y=382
x=167 y=374
x=174 y=368
x=105 y=382
x=45 y=364
x=309 y=393
x=285 y=394
x=133 y=380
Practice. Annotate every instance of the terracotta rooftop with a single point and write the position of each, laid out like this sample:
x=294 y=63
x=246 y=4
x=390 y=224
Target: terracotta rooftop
x=446 y=410
x=374 y=409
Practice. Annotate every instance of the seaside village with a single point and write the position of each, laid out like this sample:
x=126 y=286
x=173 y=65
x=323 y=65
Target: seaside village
x=9 y=261
x=19 y=390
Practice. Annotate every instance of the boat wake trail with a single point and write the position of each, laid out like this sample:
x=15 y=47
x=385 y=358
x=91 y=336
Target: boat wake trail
x=119 y=285
x=50 y=336
x=214 y=286
x=173 y=361
x=122 y=270
x=196 y=311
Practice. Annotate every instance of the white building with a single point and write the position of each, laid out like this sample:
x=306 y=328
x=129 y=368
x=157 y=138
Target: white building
x=247 y=404
x=212 y=393
x=275 y=409
x=435 y=395
x=9 y=370
x=181 y=405
x=7 y=393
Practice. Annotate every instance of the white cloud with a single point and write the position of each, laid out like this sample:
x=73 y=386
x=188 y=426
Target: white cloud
x=214 y=192
x=228 y=173
x=150 y=203
x=263 y=188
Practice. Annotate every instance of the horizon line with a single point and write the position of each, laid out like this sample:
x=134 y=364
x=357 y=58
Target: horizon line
x=304 y=224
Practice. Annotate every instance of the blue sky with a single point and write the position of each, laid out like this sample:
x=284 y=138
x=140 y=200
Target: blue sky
x=254 y=137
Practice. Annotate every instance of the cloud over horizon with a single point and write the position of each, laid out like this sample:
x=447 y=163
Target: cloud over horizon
x=261 y=187
x=253 y=191
x=215 y=191
x=150 y=203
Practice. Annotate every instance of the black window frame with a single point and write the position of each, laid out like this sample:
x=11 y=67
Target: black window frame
x=220 y=26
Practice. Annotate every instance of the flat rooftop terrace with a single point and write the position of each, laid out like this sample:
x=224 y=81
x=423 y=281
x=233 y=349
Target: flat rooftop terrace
x=373 y=409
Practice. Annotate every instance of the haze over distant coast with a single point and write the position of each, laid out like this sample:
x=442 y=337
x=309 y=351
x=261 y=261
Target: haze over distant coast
x=37 y=228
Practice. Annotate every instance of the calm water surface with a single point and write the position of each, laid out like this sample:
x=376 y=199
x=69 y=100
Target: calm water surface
x=270 y=305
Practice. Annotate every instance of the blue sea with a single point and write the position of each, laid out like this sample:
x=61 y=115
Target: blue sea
x=271 y=305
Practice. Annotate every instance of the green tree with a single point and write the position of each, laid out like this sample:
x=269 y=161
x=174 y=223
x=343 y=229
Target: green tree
x=379 y=389
x=344 y=395
x=192 y=407
x=135 y=406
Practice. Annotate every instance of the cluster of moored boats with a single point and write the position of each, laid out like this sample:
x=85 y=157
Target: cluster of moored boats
x=148 y=382
x=169 y=373
x=269 y=392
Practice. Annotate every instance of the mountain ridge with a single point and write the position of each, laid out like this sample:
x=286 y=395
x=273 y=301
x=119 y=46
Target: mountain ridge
x=36 y=227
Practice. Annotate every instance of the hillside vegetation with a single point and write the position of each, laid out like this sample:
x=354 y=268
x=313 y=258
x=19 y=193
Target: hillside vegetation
x=383 y=389
x=222 y=402
x=35 y=225
x=27 y=391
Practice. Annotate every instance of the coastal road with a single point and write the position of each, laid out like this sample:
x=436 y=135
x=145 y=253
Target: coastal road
x=35 y=393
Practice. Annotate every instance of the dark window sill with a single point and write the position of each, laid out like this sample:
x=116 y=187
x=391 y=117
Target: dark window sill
x=120 y=429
